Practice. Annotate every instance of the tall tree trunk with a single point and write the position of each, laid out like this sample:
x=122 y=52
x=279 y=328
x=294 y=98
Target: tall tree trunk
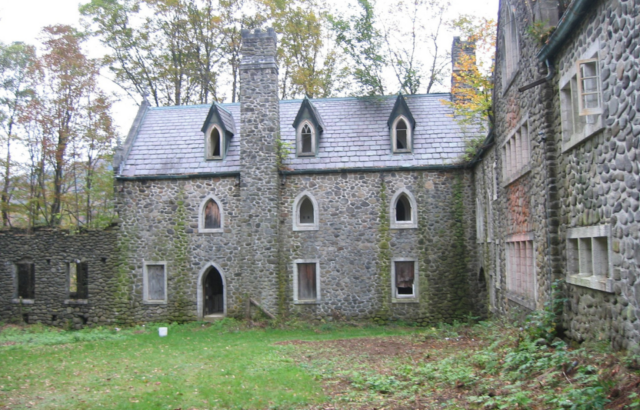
x=7 y=175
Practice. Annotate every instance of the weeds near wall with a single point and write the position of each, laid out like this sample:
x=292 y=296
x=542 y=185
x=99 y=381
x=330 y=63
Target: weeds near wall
x=283 y=150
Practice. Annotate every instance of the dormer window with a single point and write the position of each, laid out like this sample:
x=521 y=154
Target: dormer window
x=215 y=143
x=306 y=140
x=401 y=125
x=218 y=128
x=402 y=136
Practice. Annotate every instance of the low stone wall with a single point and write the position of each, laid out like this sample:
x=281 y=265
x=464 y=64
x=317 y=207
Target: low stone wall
x=51 y=251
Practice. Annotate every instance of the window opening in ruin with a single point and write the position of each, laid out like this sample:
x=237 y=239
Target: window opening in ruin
x=405 y=275
x=306 y=211
x=307 y=286
x=306 y=136
x=215 y=143
x=511 y=47
x=78 y=275
x=54 y=318
x=211 y=215
x=516 y=152
x=401 y=136
x=155 y=283
x=26 y=280
x=403 y=209
x=213 y=288
x=481 y=279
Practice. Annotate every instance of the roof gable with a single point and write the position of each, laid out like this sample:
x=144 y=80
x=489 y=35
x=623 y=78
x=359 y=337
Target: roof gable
x=221 y=117
x=309 y=112
x=401 y=108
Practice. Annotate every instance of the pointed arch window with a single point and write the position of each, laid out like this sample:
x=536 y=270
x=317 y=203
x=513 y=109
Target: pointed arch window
x=215 y=143
x=401 y=135
x=306 y=139
x=305 y=213
x=403 y=212
x=211 y=216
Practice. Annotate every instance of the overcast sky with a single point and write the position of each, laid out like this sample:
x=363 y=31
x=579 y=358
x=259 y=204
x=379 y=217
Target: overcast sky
x=22 y=20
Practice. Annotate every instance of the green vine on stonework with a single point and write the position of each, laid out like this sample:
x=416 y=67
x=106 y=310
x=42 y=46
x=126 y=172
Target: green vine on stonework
x=459 y=260
x=283 y=149
x=384 y=259
x=180 y=256
x=122 y=296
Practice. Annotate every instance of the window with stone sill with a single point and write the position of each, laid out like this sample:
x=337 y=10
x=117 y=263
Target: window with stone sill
x=479 y=221
x=401 y=136
x=588 y=257
x=215 y=143
x=520 y=273
x=305 y=212
x=403 y=212
x=77 y=280
x=581 y=102
x=306 y=140
x=404 y=280
x=155 y=282
x=516 y=152
x=211 y=215
x=306 y=281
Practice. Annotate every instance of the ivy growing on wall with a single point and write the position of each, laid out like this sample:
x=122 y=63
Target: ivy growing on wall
x=384 y=257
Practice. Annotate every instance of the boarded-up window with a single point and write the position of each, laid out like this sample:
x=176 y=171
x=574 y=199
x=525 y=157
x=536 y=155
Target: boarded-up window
x=211 y=215
x=401 y=135
x=403 y=209
x=306 y=211
x=306 y=138
x=156 y=282
x=307 y=287
x=404 y=278
x=26 y=280
x=78 y=280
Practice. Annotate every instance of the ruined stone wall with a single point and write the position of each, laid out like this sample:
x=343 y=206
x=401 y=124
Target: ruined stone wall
x=51 y=251
x=592 y=183
x=354 y=245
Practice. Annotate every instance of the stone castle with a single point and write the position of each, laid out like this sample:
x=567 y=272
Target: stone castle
x=361 y=207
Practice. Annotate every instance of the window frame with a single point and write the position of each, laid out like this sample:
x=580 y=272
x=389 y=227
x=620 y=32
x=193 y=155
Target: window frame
x=145 y=284
x=511 y=57
x=208 y=147
x=528 y=301
x=395 y=224
x=570 y=110
x=578 y=276
x=296 y=299
x=394 y=139
x=314 y=144
x=297 y=202
x=201 y=217
x=583 y=111
x=511 y=170
x=480 y=237
x=395 y=297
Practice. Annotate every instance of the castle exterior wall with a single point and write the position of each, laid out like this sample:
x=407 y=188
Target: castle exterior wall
x=575 y=187
x=355 y=244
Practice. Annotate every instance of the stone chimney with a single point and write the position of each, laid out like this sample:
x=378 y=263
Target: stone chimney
x=460 y=48
x=259 y=179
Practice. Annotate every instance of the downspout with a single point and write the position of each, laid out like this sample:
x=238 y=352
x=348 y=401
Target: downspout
x=551 y=71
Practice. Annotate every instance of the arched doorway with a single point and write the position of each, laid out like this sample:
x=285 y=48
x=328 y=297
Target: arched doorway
x=213 y=293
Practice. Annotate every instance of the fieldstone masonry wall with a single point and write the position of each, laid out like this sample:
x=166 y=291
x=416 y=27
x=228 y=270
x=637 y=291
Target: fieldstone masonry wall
x=593 y=183
x=50 y=252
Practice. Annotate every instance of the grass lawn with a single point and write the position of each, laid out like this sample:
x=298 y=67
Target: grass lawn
x=231 y=365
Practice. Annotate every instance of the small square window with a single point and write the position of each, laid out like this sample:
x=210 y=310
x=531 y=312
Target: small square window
x=588 y=262
x=155 y=283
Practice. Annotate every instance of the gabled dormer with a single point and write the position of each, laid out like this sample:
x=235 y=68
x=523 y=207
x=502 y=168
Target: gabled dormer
x=309 y=126
x=218 y=129
x=401 y=125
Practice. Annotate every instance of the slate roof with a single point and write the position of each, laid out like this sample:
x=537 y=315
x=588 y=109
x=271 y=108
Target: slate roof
x=169 y=140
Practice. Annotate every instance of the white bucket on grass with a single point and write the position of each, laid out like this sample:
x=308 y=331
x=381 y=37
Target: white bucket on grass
x=162 y=331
